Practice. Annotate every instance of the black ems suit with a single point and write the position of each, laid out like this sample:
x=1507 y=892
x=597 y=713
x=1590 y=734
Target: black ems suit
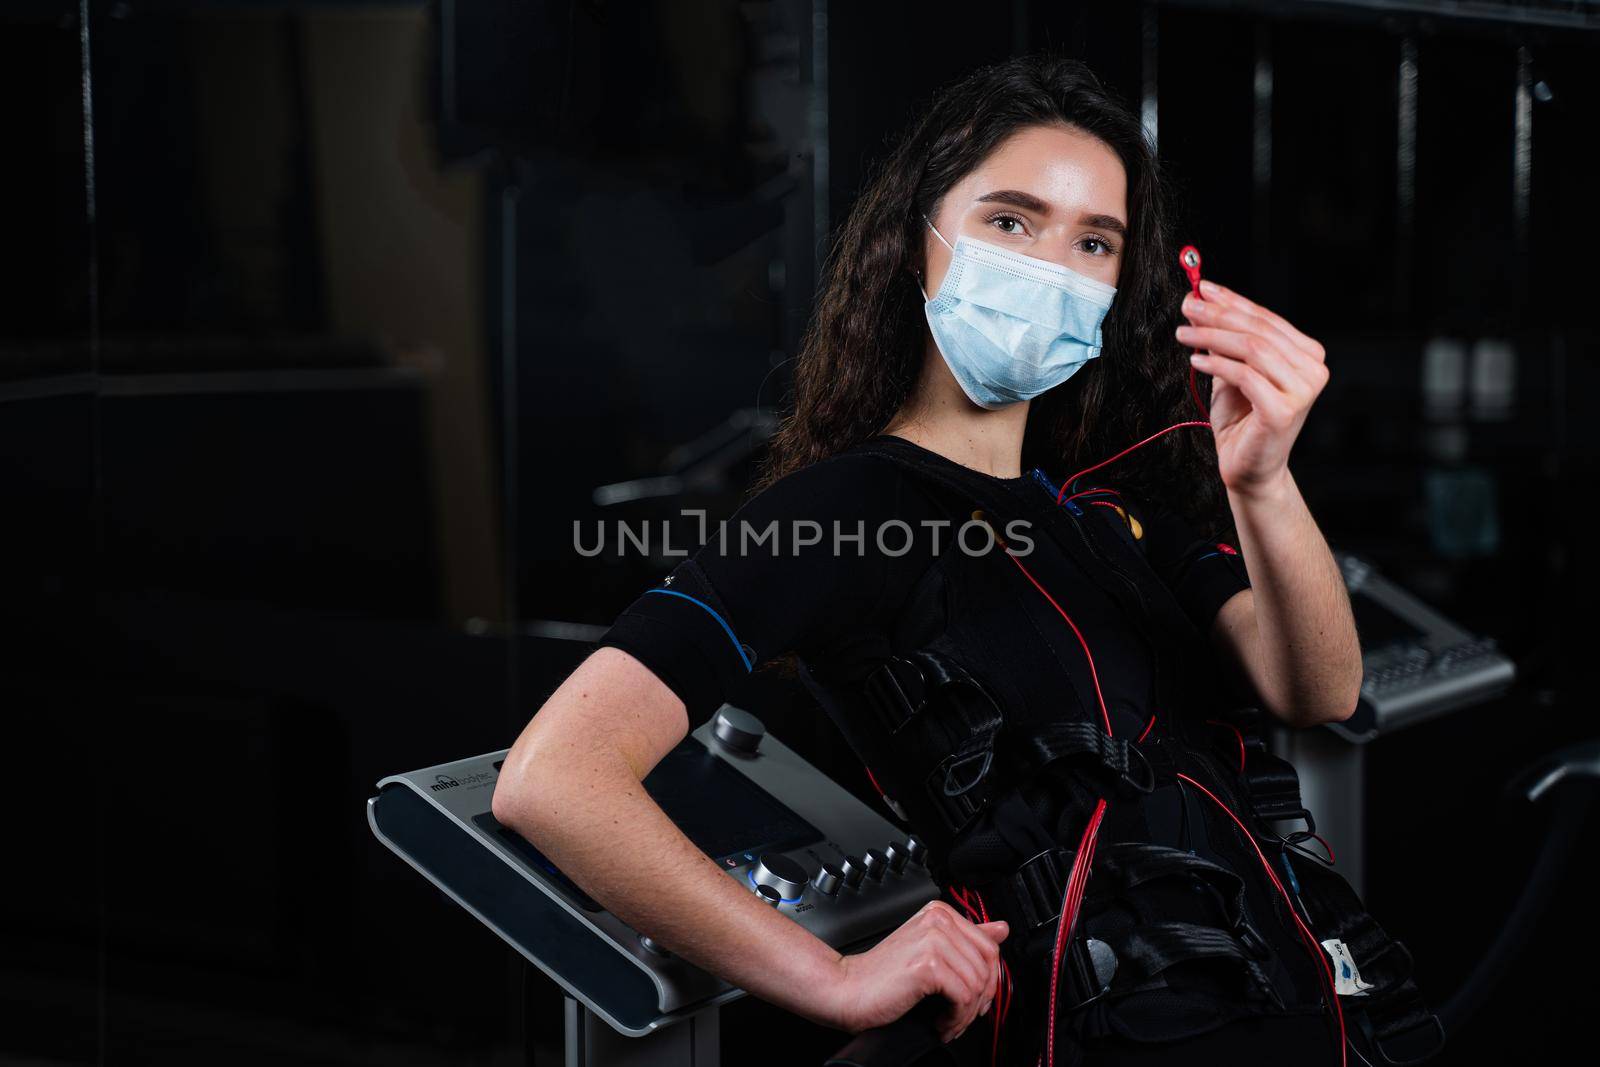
x=979 y=716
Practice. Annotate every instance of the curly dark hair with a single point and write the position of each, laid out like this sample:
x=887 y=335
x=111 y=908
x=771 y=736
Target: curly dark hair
x=864 y=347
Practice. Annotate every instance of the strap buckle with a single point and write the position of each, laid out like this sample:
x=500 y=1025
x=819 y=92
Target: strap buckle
x=1034 y=888
x=953 y=786
x=1091 y=968
x=1148 y=784
x=888 y=697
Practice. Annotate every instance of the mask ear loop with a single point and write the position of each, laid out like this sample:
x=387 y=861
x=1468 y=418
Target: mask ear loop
x=942 y=241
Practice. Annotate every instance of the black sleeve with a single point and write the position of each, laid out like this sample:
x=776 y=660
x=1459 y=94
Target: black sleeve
x=756 y=590
x=1202 y=574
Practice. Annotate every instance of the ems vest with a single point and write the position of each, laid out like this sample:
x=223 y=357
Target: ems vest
x=982 y=728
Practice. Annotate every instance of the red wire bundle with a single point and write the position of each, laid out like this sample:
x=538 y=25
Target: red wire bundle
x=1002 y=996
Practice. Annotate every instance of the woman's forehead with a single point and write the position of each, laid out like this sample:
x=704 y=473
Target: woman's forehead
x=1063 y=168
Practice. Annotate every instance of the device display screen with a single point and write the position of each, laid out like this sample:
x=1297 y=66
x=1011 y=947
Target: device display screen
x=720 y=810
x=1378 y=626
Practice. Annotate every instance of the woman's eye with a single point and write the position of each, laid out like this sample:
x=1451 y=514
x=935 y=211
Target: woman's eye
x=1008 y=223
x=1094 y=246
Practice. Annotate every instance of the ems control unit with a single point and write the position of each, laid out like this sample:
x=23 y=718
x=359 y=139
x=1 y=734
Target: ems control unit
x=778 y=826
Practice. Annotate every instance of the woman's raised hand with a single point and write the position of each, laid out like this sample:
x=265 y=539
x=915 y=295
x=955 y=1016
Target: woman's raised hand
x=1267 y=375
x=936 y=951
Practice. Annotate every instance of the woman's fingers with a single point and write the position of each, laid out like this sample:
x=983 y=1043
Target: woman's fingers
x=1210 y=290
x=1248 y=348
x=943 y=933
x=969 y=956
x=1267 y=400
x=963 y=990
x=943 y=980
x=1214 y=314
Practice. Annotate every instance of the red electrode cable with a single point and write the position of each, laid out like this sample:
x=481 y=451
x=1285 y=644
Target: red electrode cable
x=1189 y=257
x=1236 y=733
x=1312 y=945
x=980 y=913
x=1073 y=896
x=1061 y=495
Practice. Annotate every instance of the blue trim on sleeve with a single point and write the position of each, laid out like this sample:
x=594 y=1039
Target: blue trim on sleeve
x=737 y=647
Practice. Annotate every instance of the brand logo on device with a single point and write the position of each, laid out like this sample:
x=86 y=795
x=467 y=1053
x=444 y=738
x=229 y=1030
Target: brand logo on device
x=441 y=782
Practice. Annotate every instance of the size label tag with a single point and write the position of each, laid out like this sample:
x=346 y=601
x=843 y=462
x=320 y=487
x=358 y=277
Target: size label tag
x=1346 y=977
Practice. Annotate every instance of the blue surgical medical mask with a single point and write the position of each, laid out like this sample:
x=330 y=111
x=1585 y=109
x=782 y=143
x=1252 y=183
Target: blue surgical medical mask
x=1010 y=326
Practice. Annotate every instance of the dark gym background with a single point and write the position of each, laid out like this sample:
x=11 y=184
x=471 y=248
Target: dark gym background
x=322 y=322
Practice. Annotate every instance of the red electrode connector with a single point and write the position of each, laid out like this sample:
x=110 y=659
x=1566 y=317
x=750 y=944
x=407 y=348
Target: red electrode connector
x=1190 y=258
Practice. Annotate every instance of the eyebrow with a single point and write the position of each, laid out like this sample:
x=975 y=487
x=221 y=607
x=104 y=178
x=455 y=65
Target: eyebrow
x=1105 y=222
x=1016 y=198
x=1029 y=202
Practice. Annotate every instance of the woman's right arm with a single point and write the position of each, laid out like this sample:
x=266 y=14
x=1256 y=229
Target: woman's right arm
x=571 y=785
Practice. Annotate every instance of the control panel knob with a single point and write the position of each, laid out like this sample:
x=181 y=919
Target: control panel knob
x=737 y=730
x=875 y=862
x=828 y=879
x=897 y=856
x=652 y=947
x=780 y=872
x=852 y=871
x=769 y=894
x=917 y=850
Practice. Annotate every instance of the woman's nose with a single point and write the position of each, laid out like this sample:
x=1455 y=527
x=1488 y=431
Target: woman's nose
x=1056 y=250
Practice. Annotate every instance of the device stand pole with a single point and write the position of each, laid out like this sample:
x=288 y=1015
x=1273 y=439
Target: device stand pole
x=591 y=1042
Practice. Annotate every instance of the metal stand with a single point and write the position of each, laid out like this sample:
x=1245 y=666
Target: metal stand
x=695 y=1042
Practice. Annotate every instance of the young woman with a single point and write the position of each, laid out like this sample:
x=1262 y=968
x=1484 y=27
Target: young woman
x=1005 y=295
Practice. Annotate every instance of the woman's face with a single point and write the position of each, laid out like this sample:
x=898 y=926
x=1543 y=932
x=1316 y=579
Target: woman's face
x=1050 y=192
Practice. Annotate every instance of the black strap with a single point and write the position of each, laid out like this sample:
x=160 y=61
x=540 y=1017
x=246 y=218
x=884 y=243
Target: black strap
x=943 y=725
x=1040 y=746
x=1130 y=864
x=900 y=686
x=1272 y=785
x=1392 y=1013
x=1148 y=949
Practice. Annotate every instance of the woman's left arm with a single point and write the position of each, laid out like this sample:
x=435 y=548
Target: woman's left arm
x=1292 y=633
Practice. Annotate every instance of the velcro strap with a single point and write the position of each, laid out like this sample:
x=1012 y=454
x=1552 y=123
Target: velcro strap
x=1146 y=950
x=1133 y=863
x=1272 y=784
x=1042 y=746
